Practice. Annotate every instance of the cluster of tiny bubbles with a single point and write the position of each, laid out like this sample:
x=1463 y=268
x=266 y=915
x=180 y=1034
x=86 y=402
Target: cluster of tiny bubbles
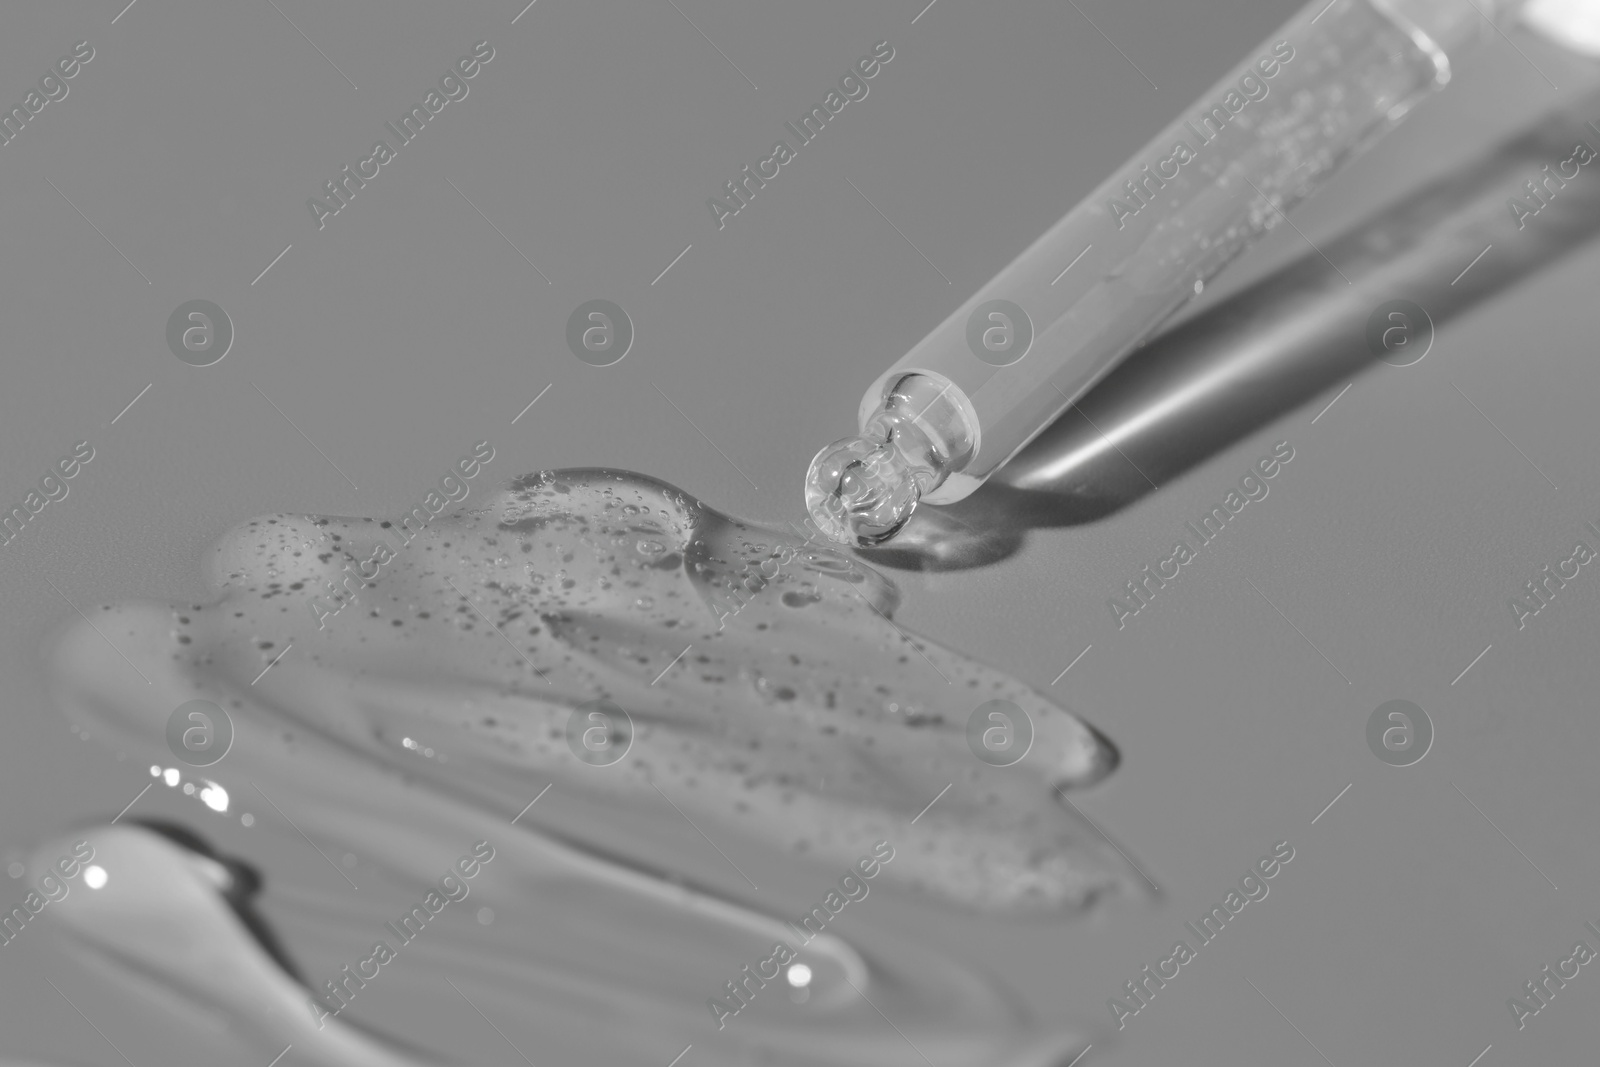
x=208 y=792
x=416 y=746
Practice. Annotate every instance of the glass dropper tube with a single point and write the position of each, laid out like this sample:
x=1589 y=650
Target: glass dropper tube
x=1029 y=343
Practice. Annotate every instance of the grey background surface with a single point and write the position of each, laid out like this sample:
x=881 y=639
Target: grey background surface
x=409 y=327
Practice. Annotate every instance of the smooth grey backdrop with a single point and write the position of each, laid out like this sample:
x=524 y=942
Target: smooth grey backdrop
x=409 y=327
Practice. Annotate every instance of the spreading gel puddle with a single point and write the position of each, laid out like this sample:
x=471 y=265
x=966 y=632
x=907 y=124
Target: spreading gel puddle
x=770 y=739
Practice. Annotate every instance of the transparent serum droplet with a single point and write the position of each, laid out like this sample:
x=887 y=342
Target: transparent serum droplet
x=862 y=490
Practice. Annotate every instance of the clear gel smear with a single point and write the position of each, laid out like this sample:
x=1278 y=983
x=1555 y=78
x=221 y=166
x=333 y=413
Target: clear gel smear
x=771 y=706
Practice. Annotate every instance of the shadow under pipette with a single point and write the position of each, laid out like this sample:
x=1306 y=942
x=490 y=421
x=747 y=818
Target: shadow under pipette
x=1223 y=374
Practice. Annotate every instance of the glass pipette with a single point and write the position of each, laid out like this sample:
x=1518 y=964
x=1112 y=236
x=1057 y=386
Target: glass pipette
x=1029 y=343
